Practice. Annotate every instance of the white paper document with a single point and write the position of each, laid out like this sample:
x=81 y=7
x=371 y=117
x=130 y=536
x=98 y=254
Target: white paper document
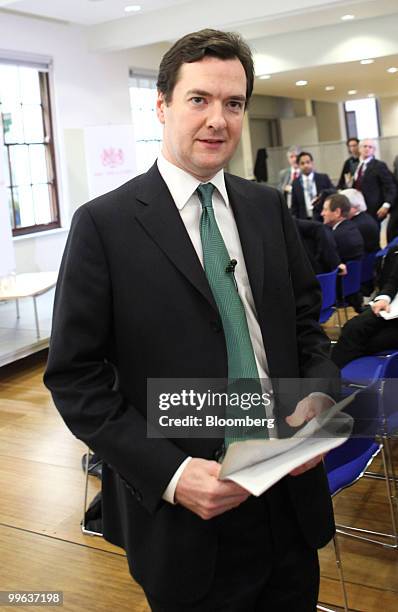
x=256 y=465
x=393 y=312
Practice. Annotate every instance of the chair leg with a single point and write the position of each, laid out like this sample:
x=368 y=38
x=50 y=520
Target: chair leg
x=391 y=498
x=340 y=572
x=83 y=521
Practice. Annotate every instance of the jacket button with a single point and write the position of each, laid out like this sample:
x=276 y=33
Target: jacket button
x=138 y=496
x=216 y=326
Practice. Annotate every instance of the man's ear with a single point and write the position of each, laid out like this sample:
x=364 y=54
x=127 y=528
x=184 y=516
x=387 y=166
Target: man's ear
x=160 y=104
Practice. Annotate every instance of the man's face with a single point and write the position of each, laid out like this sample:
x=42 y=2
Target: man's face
x=353 y=148
x=306 y=164
x=203 y=121
x=292 y=159
x=366 y=149
x=330 y=217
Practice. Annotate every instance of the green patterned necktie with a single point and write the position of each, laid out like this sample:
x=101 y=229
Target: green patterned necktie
x=242 y=369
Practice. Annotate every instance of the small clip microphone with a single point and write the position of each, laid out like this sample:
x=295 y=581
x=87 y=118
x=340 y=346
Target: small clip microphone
x=231 y=266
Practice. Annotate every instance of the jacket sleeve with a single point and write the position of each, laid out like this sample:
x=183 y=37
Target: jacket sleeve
x=82 y=380
x=387 y=184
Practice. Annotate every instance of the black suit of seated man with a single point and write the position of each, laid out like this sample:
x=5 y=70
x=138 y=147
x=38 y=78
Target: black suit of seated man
x=319 y=244
x=135 y=296
x=367 y=225
x=369 y=333
x=307 y=187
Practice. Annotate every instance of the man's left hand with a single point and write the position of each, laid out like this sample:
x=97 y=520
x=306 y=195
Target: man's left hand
x=382 y=212
x=306 y=409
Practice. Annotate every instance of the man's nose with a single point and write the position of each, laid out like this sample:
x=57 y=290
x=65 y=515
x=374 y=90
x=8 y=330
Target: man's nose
x=216 y=117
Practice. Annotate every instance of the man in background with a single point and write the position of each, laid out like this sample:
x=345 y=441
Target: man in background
x=366 y=224
x=307 y=187
x=374 y=179
x=350 y=165
x=289 y=174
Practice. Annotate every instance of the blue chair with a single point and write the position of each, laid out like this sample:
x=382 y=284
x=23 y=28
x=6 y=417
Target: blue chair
x=357 y=374
x=327 y=282
x=382 y=252
x=368 y=266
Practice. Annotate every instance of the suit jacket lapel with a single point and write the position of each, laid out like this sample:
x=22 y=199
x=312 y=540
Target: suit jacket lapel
x=161 y=219
x=248 y=219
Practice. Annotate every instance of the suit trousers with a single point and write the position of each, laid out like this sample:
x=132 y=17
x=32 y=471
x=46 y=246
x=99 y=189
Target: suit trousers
x=365 y=334
x=263 y=562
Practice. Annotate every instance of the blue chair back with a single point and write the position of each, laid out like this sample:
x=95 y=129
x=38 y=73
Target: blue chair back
x=382 y=252
x=352 y=281
x=327 y=282
x=368 y=266
x=346 y=463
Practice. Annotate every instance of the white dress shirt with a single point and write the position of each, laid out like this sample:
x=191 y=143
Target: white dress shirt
x=182 y=187
x=309 y=188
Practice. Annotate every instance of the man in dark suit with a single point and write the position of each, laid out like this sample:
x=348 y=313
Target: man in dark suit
x=147 y=290
x=289 y=174
x=375 y=181
x=349 y=241
x=319 y=245
x=370 y=333
x=368 y=226
x=307 y=188
x=350 y=165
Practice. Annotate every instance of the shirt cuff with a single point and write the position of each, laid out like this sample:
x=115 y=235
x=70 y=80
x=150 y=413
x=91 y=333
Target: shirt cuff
x=386 y=205
x=168 y=495
x=382 y=297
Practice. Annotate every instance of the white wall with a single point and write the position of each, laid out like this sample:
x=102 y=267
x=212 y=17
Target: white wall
x=328 y=121
x=87 y=89
x=299 y=130
x=389 y=116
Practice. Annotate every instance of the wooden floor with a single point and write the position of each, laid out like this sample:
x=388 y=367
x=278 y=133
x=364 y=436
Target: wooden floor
x=41 y=499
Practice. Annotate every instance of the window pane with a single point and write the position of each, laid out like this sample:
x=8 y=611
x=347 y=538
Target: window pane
x=20 y=165
x=30 y=85
x=10 y=94
x=12 y=122
x=6 y=168
x=33 y=123
x=9 y=199
x=41 y=198
x=23 y=196
x=38 y=165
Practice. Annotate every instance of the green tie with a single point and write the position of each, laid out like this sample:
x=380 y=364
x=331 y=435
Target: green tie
x=242 y=369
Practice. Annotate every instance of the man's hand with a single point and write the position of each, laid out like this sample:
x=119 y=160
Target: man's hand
x=306 y=409
x=380 y=305
x=382 y=212
x=200 y=491
x=342 y=269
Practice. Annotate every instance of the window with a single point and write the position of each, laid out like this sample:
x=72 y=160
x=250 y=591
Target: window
x=147 y=128
x=362 y=118
x=29 y=151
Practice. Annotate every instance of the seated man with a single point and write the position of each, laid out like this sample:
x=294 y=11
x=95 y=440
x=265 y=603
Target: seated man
x=369 y=333
x=368 y=227
x=349 y=241
x=319 y=245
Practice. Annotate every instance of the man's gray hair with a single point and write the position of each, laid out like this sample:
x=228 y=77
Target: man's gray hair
x=355 y=198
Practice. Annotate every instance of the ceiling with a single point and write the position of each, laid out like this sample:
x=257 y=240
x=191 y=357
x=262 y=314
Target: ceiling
x=293 y=40
x=365 y=79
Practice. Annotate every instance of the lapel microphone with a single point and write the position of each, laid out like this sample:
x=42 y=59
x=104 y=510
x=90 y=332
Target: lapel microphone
x=231 y=266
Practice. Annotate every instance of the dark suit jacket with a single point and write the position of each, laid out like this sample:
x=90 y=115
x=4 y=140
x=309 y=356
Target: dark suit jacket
x=319 y=244
x=350 y=165
x=377 y=186
x=298 y=209
x=133 y=296
x=370 y=231
x=349 y=241
x=387 y=273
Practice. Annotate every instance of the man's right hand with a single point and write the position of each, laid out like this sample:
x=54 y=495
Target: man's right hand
x=380 y=305
x=199 y=490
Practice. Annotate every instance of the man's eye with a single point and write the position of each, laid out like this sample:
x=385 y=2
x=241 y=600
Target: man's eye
x=197 y=100
x=235 y=105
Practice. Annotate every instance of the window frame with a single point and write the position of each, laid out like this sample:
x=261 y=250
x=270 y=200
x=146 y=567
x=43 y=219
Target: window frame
x=48 y=142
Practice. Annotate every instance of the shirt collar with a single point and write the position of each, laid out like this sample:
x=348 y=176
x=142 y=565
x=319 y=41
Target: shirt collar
x=183 y=185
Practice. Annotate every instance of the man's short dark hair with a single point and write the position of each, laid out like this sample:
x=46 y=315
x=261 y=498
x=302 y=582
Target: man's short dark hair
x=197 y=45
x=338 y=200
x=303 y=154
x=351 y=140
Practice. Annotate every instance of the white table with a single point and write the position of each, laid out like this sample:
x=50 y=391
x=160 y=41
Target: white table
x=32 y=285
